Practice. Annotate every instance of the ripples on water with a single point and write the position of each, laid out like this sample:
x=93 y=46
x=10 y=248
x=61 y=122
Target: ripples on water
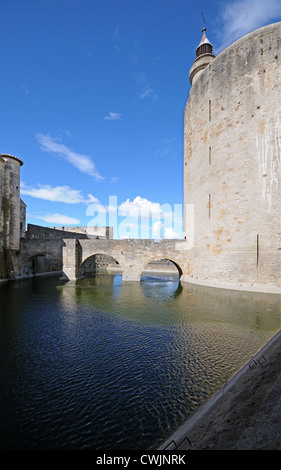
x=102 y=365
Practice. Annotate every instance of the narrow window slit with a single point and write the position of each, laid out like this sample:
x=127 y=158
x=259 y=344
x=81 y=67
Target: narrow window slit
x=210 y=155
x=210 y=110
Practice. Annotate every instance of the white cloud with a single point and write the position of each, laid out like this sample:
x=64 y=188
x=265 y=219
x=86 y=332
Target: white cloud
x=243 y=16
x=140 y=207
x=156 y=230
x=114 y=179
x=147 y=92
x=165 y=221
x=165 y=149
x=159 y=227
x=146 y=89
x=113 y=117
x=91 y=199
x=25 y=89
x=170 y=233
x=58 y=219
x=116 y=39
x=82 y=162
x=57 y=194
x=111 y=209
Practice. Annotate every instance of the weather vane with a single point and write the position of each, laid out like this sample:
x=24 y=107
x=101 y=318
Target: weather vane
x=204 y=19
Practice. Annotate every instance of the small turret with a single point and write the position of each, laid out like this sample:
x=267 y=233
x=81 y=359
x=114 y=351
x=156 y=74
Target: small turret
x=204 y=55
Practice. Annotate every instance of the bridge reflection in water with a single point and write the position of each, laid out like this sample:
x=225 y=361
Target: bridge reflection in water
x=101 y=364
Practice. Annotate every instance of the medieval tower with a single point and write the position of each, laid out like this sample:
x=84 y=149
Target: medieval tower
x=232 y=163
x=12 y=210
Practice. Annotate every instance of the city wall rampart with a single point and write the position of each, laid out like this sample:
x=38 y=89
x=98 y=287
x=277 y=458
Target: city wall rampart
x=46 y=233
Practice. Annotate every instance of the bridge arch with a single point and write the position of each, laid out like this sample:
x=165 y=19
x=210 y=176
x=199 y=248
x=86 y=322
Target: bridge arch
x=100 y=262
x=162 y=265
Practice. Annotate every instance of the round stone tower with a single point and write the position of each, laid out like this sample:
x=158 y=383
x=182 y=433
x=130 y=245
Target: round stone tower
x=10 y=202
x=232 y=163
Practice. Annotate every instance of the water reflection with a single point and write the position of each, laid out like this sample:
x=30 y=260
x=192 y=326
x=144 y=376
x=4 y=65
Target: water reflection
x=168 y=287
x=165 y=300
x=101 y=364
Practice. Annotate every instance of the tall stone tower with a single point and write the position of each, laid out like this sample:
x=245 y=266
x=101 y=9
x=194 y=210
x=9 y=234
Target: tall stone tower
x=10 y=213
x=232 y=163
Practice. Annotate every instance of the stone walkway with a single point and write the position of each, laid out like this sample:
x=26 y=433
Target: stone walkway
x=245 y=414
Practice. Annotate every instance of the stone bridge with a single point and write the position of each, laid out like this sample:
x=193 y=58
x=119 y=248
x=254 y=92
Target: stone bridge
x=132 y=255
x=45 y=250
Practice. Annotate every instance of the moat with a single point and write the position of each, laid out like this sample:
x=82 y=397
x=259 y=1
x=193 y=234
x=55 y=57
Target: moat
x=98 y=364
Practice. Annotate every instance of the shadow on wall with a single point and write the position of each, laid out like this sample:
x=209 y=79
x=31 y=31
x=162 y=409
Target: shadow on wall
x=41 y=264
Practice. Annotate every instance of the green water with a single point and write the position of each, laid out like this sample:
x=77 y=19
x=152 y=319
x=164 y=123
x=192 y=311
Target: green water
x=105 y=365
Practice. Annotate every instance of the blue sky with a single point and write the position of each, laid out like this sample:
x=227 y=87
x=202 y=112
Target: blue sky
x=92 y=98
